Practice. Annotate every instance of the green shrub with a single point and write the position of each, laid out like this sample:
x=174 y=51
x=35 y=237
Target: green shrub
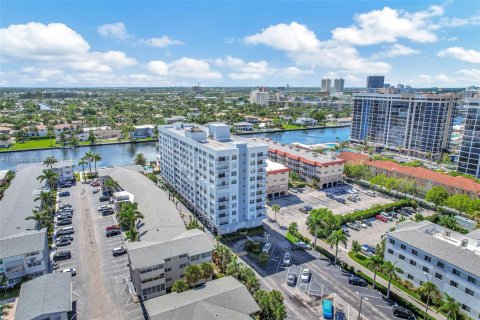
x=369 y=213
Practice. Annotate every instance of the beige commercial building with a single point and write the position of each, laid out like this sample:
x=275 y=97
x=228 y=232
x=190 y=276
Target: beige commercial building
x=165 y=248
x=277 y=179
x=324 y=170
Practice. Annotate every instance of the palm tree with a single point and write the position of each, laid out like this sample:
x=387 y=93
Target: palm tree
x=180 y=286
x=450 y=306
x=88 y=157
x=207 y=270
x=50 y=161
x=49 y=176
x=63 y=139
x=128 y=215
x=132 y=234
x=83 y=163
x=140 y=159
x=193 y=273
x=389 y=269
x=222 y=255
x=375 y=264
x=74 y=141
x=233 y=268
x=429 y=289
x=275 y=209
x=96 y=157
x=335 y=239
x=110 y=184
x=47 y=199
x=43 y=218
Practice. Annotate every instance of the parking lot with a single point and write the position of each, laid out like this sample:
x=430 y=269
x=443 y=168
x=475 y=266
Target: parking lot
x=303 y=300
x=98 y=272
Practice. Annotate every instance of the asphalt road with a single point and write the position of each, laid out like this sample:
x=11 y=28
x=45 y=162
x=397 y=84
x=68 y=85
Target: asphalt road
x=303 y=300
x=100 y=287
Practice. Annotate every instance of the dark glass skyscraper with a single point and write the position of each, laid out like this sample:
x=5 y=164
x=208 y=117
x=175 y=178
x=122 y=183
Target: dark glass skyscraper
x=469 y=158
x=375 y=82
x=415 y=125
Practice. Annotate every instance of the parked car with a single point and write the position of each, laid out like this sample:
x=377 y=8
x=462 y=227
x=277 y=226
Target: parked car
x=300 y=245
x=291 y=279
x=330 y=195
x=96 y=191
x=119 y=251
x=64 y=194
x=305 y=209
x=63 y=242
x=367 y=222
x=305 y=277
x=71 y=270
x=367 y=250
x=370 y=193
x=353 y=225
x=62 y=255
x=341 y=200
x=67 y=237
x=340 y=315
x=267 y=247
x=381 y=218
x=66 y=185
x=387 y=216
x=287 y=259
x=55 y=266
x=345 y=231
x=357 y=281
x=104 y=207
x=112 y=233
x=403 y=313
x=107 y=212
x=104 y=198
x=65 y=231
x=65 y=205
x=112 y=227
x=65 y=222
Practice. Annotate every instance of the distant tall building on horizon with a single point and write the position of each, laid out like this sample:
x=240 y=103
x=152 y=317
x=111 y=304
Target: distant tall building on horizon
x=375 y=82
x=418 y=125
x=326 y=85
x=469 y=157
x=260 y=96
x=339 y=84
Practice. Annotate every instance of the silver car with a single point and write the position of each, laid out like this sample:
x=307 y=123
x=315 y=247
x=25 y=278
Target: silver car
x=287 y=259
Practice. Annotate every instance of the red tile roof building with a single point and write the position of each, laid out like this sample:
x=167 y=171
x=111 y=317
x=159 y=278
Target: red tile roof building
x=353 y=158
x=426 y=178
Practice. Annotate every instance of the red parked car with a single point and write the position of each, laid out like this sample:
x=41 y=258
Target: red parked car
x=112 y=227
x=381 y=218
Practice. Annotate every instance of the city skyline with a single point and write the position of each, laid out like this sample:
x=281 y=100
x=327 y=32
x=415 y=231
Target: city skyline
x=238 y=44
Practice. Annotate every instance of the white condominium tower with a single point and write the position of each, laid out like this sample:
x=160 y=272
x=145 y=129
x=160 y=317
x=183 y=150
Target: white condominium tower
x=222 y=177
x=260 y=96
x=326 y=85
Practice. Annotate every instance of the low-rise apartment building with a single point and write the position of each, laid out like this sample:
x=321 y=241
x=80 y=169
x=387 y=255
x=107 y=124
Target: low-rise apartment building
x=165 y=248
x=64 y=170
x=46 y=297
x=221 y=176
x=243 y=126
x=426 y=179
x=143 y=131
x=277 y=179
x=353 y=158
x=23 y=248
x=425 y=251
x=325 y=171
x=63 y=128
x=224 y=298
x=306 y=122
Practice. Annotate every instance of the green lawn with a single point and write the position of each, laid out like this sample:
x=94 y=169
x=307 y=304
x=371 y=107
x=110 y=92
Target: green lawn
x=11 y=293
x=32 y=144
x=291 y=127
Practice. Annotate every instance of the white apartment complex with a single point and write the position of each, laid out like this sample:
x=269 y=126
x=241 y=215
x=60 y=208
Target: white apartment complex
x=260 y=96
x=326 y=85
x=222 y=177
x=425 y=251
x=277 y=179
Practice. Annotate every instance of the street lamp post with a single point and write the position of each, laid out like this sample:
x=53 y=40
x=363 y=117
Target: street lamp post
x=360 y=306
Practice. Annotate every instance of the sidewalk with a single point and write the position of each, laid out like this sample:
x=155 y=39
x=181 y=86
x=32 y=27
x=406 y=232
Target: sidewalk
x=342 y=255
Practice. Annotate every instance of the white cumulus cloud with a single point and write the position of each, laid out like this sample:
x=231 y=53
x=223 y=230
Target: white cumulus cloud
x=462 y=54
x=397 y=50
x=388 y=25
x=114 y=30
x=161 y=42
x=184 y=68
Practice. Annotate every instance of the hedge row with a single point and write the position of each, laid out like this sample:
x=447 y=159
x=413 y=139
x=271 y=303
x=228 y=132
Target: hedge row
x=369 y=213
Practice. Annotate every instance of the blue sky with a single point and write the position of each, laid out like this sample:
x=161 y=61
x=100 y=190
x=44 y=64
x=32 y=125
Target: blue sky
x=233 y=43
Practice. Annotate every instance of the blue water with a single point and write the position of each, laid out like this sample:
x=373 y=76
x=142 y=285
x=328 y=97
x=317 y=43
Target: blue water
x=123 y=154
x=308 y=136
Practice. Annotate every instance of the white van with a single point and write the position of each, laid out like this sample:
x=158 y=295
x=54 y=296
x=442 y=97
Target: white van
x=65 y=230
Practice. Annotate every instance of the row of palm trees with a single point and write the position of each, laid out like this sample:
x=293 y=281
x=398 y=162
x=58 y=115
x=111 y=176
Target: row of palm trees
x=44 y=214
x=87 y=159
x=128 y=216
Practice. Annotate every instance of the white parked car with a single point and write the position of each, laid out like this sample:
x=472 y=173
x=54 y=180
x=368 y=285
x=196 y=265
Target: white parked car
x=305 y=277
x=267 y=247
x=71 y=270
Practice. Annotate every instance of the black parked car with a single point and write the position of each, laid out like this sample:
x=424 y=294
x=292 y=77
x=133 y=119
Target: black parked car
x=340 y=315
x=64 y=194
x=65 y=237
x=64 y=222
x=403 y=313
x=62 y=255
x=104 y=198
x=356 y=281
x=111 y=233
x=107 y=212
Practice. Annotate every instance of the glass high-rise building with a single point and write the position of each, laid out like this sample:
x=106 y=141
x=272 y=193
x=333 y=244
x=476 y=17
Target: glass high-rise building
x=375 y=82
x=469 y=158
x=417 y=125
